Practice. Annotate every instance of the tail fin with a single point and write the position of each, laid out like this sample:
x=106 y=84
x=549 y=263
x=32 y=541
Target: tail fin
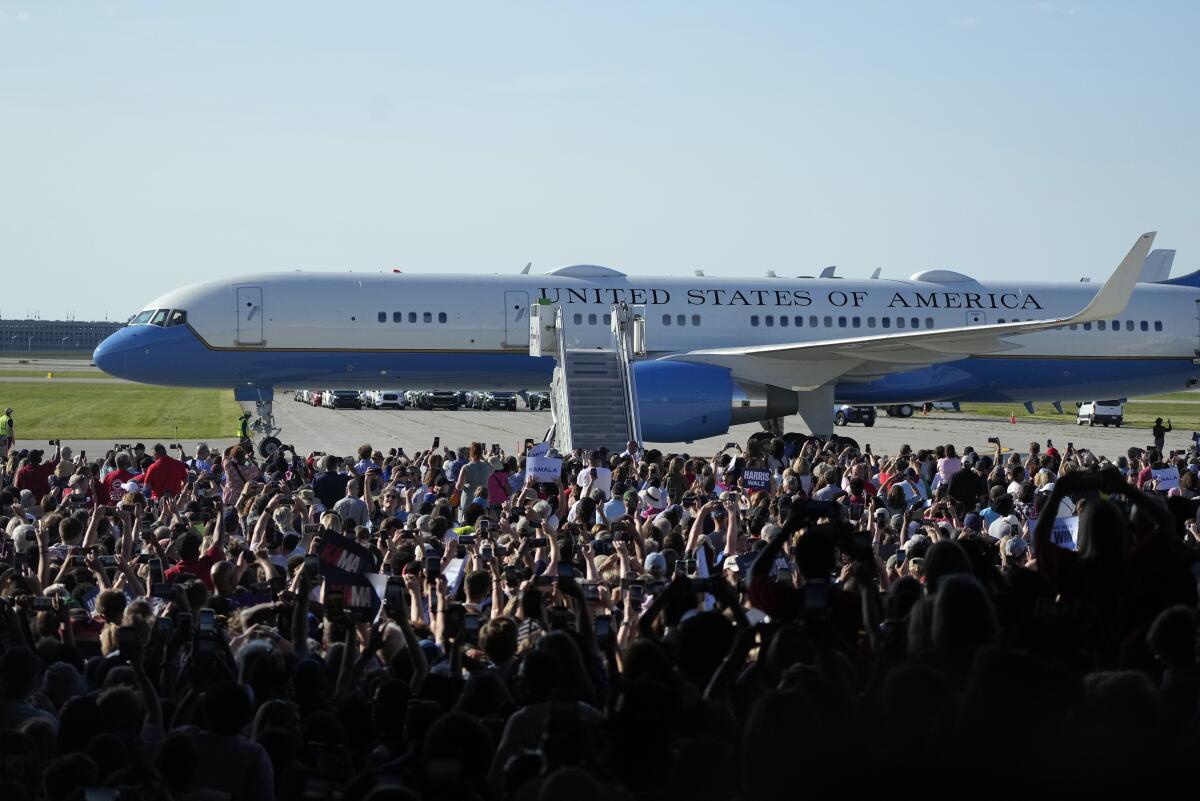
x=1157 y=267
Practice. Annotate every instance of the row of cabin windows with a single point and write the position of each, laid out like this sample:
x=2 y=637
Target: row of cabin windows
x=1115 y=325
x=783 y=321
x=593 y=319
x=681 y=319
x=424 y=317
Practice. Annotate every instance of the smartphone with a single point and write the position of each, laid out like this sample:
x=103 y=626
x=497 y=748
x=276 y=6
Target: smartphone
x=164 y=626
x=591 y=592
x=496 y=448
x=544 y=581
x=539 y=542
x=127 y=642
x=603 y=628
x=183 y=624
x=78 y=561
x=466 y=539
x=207 y=623
x=528 y=444
x=437 y=441
x=637 y=592
x=1070 y=446
x=393 y=593
x=470 y=628
x=334 y=604
x=433 y=567
x=729 y=446
x=41 y=603
x=156 y=571
x=160 y=589
x=1049 y=443
x=487 y=552
x=993 y=440
x=312 y=528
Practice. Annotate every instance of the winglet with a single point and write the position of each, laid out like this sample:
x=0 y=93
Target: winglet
x=1114 y=296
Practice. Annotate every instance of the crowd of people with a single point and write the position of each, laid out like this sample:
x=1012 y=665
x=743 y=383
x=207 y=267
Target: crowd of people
x=779 y=618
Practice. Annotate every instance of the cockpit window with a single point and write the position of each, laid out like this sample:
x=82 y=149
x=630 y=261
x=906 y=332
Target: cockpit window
x=160 y=317
x=142 y=318
x=177 y=317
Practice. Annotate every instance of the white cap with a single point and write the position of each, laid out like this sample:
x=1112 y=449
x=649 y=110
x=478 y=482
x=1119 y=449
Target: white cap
x=1003 y=526
x=131 y=486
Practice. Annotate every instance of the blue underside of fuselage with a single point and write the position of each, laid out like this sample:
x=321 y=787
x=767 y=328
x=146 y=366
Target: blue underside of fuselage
x=175 y=356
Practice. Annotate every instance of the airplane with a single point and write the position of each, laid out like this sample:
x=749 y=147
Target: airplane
x=720 y=351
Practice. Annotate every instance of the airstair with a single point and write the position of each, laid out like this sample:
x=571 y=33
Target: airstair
x=592 y=394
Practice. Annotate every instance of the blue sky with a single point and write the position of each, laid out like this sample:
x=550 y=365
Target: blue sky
x=145 y=145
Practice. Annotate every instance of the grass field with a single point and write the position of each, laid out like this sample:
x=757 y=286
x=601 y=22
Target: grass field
x=1137 y=414
x=34 y=375
x=45 y=410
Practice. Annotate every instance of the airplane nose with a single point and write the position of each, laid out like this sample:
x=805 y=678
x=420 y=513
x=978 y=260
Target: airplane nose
x=110 y=355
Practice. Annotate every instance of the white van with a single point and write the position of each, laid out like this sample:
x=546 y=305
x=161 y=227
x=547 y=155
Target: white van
x=1104 y=412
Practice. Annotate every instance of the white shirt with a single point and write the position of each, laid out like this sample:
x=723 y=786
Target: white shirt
x=602 y=481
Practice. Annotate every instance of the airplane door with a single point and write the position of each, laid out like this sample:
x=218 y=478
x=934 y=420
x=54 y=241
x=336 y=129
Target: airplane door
x=250 y=315
x=516 y=319
x=976 y=318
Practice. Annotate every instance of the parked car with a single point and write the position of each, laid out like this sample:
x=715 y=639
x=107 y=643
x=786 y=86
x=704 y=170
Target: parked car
x=300 y=396
x=506 y=401
x=342 y=399
x=538 y=400
x=846 y=414
x=387 y=399
x=316 y=397
x=1104 y=412
x=439 y=399
x=412 y=399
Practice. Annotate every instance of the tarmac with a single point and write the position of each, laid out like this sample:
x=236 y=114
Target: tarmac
x=342 y=431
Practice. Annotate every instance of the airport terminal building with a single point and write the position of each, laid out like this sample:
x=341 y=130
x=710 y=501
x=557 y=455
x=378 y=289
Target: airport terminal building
x=31 y=336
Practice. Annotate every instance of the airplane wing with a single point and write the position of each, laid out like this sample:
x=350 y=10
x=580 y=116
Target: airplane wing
x=808 y=365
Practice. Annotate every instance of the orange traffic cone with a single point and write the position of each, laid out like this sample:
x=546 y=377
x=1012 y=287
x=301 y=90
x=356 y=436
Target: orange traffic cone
x=1012 y=418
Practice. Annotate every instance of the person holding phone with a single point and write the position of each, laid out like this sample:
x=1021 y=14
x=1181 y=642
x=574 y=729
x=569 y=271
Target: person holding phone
x=595 y=476
x=473 y=475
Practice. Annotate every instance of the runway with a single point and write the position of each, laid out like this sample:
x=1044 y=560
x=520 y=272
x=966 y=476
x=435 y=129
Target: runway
x=342 y=431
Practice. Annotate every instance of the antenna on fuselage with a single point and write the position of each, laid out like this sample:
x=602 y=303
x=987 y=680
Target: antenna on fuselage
x=829 y=271
x=699 y=273
x=771 y=274
x=526 y=270
x=875 y=274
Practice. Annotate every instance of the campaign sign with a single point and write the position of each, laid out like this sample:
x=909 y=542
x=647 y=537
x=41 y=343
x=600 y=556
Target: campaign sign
x=1166 y=479
x=346 y=567
x=756 y=479
x=1065 y=532
x=543 y=468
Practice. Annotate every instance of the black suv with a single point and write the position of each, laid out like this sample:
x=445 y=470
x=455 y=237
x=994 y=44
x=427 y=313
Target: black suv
x=439 y=399
x=500 y=400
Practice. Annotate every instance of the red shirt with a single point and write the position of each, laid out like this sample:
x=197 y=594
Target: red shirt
x=200 y=568
x=112 y=485
x=36 y=478
x=166 y=477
